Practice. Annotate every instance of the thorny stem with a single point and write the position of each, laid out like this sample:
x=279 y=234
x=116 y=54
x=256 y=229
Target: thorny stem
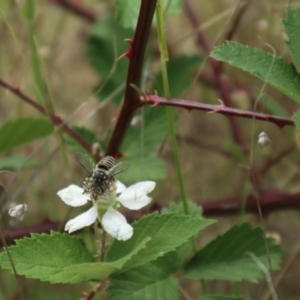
x=56 y=120
x=218 y=109
x=156 y=101
x=131 y=98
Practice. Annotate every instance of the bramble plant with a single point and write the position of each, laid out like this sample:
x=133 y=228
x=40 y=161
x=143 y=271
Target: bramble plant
x=147 y=253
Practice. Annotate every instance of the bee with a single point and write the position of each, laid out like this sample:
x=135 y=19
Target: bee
x=102 y=175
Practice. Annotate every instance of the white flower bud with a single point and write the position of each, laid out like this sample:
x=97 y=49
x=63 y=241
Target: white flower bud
x=263 y=140
x=136 y=121
x=18 y=211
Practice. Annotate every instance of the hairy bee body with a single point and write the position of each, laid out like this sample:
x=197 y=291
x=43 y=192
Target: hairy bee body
x=101 y=178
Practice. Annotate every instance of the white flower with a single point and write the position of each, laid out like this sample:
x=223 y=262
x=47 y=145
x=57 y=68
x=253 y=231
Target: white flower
x=18 y=211
x=113 y=222
x=263 y=140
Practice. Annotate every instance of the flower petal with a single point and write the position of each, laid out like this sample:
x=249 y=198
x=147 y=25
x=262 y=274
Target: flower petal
x=144 y=186
x=73 y=195
x=120 y=187
x=135 y=196
x=85 y=219
x=115 y=224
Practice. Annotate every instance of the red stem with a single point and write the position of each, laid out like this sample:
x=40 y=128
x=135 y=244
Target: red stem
x=218 y=109
x=269 y=201
x=134 y=73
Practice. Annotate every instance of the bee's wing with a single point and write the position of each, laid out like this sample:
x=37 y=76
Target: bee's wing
x=85 y=161
x=119 y=167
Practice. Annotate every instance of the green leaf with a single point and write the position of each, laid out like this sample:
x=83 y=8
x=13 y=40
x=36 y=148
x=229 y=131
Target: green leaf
x=140 y=140
x=16 y=162
x=224 y=257
x=45 y=256
x=180 y=74
x=128 y=10
x=149 y=167
x=195 y=210
x=86 y=134
x=28 y=10
x=105 y=44
x=271 y=69
x=291 y=27
x=219 y=297
x=150 y=132
x=153 y=280
x=102 y=270
x=296 y=118
x=21 y=131
x=167 y=232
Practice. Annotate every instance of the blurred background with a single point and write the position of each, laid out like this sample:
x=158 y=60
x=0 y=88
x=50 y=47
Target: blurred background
x=68 y=59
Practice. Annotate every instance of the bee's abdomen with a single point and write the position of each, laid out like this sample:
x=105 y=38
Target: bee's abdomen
x=106 y=163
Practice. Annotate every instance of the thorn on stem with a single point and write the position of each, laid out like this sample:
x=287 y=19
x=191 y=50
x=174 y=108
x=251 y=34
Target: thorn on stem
x=221 y=103
x=129 y=52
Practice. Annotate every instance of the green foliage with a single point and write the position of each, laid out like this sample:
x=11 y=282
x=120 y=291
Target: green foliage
x=225 y=257
x=105 y=44
x=195 y=210
x=180 y=74
x=219 y=297
x=128 y=10
x=102 y=270
x=21 y=131
x=16 y=162
x=148 y=134
x=167 y=232
x=266 y=66
x=153 y=280
x=149 y=166
x=140 y=142
x=29 y=10
x=291 y=27
x=86 y=134
x=45 y=256
x=63 y=258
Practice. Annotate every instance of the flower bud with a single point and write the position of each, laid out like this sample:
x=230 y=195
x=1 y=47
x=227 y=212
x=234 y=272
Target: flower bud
x=263 y=140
